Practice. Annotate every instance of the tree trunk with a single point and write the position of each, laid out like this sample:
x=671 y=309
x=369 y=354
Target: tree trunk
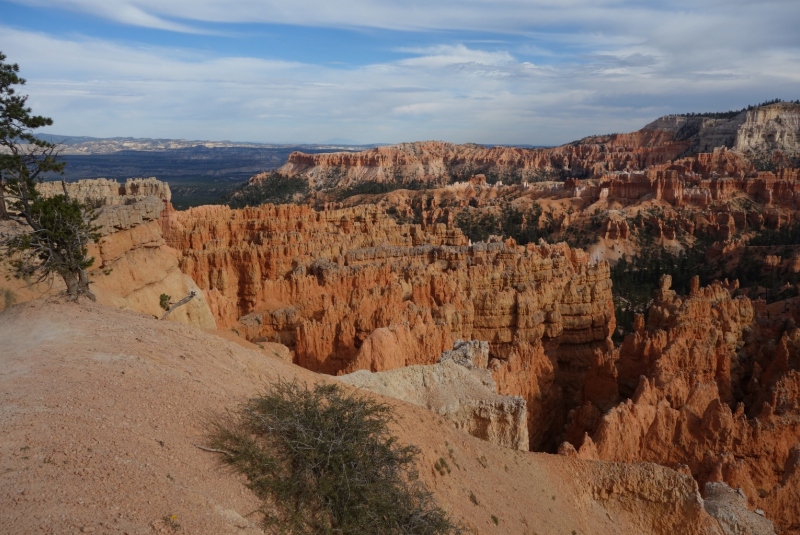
x=77 y=284
x=3 y=211
x=179 y=303
x=83 y=285
x=71 y=280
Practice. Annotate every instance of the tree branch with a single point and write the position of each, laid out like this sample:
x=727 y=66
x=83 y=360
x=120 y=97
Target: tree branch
x=179 y=303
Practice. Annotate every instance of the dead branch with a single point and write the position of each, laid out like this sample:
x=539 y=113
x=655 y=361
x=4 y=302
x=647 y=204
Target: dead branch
x=179 y=303
x=212 y=450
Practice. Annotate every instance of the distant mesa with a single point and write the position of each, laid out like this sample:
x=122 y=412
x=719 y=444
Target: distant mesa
x=755 y=133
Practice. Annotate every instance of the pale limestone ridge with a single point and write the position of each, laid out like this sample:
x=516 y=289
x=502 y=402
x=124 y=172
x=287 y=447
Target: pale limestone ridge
x=104 y=191
x=729 y=507
x=769 y=128
x=468 y=353
x=118 y=206
x=116 y=217
x=705 y=133
x=459 y=388
x=761 y=130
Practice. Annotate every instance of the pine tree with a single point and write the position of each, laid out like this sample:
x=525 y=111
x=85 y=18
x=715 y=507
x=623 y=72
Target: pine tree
x=52 y=233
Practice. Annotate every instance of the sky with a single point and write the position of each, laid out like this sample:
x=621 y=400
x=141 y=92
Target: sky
x=532 y=72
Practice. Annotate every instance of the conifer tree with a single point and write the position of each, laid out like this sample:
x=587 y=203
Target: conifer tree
x=52 y=234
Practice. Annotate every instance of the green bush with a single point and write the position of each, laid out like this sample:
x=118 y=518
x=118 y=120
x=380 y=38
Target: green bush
x=324 y=461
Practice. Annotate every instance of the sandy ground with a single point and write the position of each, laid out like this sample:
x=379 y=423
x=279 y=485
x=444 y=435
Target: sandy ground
x=100 y=410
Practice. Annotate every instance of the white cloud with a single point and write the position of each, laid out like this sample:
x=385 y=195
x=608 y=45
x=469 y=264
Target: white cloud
x=447 y=55
x=680 y=21
x=489 y=15
x=611 y=66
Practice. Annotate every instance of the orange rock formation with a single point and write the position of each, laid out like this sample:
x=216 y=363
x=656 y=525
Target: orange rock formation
x=714 y=389
x=351 y=289
x=708 y=384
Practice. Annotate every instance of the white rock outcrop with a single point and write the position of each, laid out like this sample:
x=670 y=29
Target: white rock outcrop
x=769 y=128
x=459 y=388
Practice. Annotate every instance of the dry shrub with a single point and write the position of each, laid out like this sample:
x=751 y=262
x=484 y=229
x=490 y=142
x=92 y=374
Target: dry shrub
x=324 y=461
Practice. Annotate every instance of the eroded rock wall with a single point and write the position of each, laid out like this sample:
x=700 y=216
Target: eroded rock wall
x=775 y=127
x=437 y=162
x=714 y=384
x=108 y=192
x=762 y=130
x=351 y=289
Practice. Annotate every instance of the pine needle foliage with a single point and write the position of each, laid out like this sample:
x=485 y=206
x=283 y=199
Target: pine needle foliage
x=324 y=462
x=57 y=243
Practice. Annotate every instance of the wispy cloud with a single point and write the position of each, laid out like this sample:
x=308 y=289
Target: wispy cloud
x=504 y=15
x=448 y=55
x=679 y=20
x=568 y=69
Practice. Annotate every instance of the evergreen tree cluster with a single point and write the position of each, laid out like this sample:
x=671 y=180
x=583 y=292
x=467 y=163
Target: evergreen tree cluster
x=636 y=278
x=786 y=235
x=508 y=221
x=733 y=113
x=275 y=189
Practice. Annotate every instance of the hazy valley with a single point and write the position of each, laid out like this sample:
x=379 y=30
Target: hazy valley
x=198 y=172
